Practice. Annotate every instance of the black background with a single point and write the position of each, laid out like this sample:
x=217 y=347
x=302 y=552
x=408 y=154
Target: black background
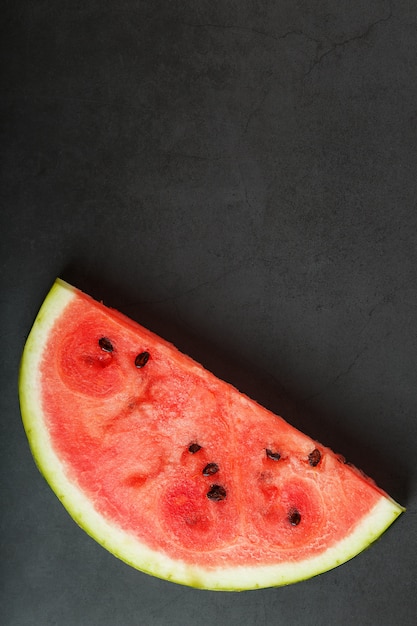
x=241 y=178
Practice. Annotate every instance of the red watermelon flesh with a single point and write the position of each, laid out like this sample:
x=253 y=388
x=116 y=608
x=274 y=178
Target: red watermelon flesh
x=174 y=470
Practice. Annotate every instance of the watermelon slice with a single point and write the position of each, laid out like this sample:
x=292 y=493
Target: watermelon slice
x=173 y=470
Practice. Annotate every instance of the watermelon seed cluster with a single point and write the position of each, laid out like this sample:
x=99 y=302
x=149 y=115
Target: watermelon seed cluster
x=216 y=492
x=140 y=361
x=314 y=458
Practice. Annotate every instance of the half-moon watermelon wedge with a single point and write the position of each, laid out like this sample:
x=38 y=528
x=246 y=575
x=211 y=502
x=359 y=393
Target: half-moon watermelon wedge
x=173 y=470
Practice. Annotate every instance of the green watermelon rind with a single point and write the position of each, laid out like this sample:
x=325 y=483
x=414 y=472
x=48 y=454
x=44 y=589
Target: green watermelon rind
x=127 y=547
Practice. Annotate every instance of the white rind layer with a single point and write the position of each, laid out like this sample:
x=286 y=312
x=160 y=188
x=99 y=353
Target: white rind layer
x=129 y=548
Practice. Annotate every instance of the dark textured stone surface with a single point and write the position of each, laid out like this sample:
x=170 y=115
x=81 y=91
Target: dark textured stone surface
x=240 y=177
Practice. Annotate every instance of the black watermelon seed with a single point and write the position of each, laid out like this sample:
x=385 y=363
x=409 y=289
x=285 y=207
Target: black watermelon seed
x=105 y=344
x=217 y=493
x=210 y=469
x=275 y=456
x=193 y=448
x=294 y=517
x=142 y=359
x=314 y=457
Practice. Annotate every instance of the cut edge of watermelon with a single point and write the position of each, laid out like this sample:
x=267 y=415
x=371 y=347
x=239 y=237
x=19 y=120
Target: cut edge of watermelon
x=128 y=548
